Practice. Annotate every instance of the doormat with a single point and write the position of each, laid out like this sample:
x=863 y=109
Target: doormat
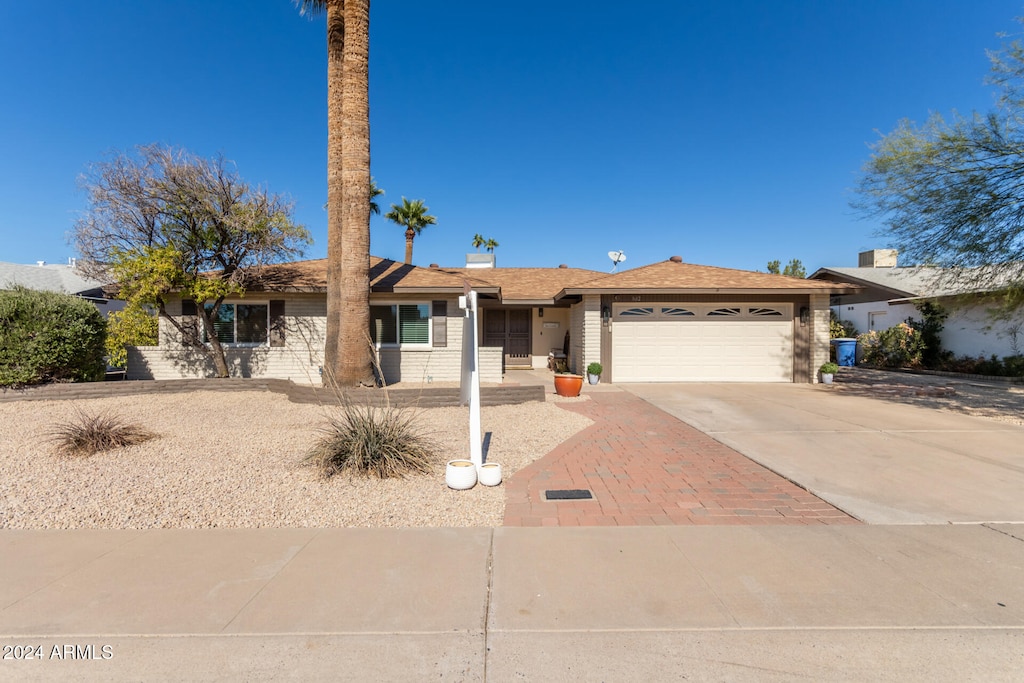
x=568 y=494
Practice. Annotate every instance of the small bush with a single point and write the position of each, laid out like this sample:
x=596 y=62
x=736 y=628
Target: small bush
x=899 y=346
x=1009 y=366
x=829 y=368
x=133 y=326
x=594 y=369
x=48 y=336
x=840 y=329
x=386 y=442
x=91 y=434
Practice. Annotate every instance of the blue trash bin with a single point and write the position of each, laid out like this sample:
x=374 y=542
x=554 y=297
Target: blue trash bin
x=846 y=351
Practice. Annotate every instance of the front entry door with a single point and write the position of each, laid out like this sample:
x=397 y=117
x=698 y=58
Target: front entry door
x=509 y=329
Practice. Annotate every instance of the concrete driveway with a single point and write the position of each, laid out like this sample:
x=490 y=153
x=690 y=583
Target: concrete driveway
x=884 y=462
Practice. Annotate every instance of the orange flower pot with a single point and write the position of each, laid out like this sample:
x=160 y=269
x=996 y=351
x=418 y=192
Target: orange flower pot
x=568 y=385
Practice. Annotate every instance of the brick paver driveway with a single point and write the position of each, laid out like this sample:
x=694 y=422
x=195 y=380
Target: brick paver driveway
x=883 y=457
x=644 y=466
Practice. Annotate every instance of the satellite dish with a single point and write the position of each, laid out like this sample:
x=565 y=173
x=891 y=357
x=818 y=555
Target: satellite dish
x=617 y=257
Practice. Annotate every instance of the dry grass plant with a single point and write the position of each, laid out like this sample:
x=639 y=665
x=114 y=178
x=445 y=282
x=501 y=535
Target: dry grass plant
x=89 y=434
x=378 y=440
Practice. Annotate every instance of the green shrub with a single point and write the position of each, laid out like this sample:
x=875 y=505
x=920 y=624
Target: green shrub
x=899 y=346
x=933 y=317
x=1009 y=366
x=133 y=326
x=386 y=442
x=594 y=369
x=90 y=434
x=829 y=368
x=48 y=336
x=840 y=329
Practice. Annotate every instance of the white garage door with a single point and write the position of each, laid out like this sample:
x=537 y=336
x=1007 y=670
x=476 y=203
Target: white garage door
x=702 y=342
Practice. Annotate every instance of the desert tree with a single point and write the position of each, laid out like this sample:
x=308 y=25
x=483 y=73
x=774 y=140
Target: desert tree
x=163 y=222
x=795 y=268
x=950 y=191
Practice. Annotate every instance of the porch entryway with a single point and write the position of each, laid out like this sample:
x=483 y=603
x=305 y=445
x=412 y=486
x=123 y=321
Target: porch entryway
x=510 y=328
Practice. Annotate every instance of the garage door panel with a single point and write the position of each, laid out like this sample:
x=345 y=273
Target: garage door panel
x=703 y=349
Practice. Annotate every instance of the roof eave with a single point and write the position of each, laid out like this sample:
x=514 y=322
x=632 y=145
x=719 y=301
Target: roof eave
x=838 y=289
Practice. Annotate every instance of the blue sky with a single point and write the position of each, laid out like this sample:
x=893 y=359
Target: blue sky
x=729 y=133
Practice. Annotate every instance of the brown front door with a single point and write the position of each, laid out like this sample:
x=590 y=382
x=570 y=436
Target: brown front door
x=509 y=329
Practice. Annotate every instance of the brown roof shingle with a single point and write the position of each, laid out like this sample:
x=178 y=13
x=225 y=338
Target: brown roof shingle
x=539 y=285
x=672 y=275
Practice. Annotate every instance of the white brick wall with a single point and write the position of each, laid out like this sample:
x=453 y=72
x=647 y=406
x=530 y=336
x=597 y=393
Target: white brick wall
x=301 y=357
x=591 y=332
x=820 y=336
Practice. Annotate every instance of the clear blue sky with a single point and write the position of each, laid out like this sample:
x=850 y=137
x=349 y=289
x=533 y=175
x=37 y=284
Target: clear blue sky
x=730 y=133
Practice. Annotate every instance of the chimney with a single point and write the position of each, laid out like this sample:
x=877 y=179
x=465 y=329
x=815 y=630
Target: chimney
x=877 y=258
x=480 y=260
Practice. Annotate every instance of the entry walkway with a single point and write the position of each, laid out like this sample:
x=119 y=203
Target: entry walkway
x=643 y=466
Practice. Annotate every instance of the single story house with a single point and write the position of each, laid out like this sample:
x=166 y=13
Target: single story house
x=57 y=277
x=668 y=321
x=889 y=293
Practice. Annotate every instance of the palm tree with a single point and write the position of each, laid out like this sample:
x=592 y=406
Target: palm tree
x=412 y=215
x=347 y=355
x=490 y=244
x=478 y=241
x=374 y=193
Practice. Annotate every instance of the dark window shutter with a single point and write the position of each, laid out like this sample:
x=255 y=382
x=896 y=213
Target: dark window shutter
x=276 y=323
x=190 y=322
x=440 y=322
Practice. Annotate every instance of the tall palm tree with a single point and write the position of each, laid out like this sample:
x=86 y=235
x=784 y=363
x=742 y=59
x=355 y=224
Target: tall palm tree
x=412 y=215
x=347 y=355
x=374 y=193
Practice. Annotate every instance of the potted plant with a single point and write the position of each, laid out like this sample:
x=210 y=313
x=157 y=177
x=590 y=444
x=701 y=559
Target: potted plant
x=567 y=384
x=594 y=372
x=828 y=371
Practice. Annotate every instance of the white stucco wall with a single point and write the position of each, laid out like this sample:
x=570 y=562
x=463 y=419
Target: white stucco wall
x=968 y=331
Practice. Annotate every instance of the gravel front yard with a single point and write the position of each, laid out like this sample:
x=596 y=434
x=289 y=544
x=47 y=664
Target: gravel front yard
x=235 y=460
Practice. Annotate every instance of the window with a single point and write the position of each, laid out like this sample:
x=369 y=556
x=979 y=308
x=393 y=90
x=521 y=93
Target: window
x=240 y=323
x=636 y=312
x=400 y=324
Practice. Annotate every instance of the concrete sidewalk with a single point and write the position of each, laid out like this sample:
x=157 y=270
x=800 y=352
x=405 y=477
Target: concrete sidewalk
x=613 y=604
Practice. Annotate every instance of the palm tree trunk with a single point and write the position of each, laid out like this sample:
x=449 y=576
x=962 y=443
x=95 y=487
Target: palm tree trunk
x=347 y=357
x=409 y=234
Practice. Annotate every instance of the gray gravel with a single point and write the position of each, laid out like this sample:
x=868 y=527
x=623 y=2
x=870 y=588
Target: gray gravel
x=234 y=460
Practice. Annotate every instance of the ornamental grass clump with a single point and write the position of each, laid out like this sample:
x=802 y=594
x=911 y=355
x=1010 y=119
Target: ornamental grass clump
x=89 y=434
x=382 y=441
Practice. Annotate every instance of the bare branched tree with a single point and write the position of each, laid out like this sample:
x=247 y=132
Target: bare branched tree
x=163 y=221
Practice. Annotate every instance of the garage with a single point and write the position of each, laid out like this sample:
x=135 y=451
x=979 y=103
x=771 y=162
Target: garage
x=673 y=342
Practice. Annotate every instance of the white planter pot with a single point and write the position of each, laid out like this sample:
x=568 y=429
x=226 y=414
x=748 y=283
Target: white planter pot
x=460 y=474
x=593 y=379
x=490 y=474
x=826 y=379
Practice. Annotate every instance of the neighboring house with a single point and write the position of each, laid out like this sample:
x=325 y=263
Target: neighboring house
x=889 y=293
x=50 y=277
x=669 y=321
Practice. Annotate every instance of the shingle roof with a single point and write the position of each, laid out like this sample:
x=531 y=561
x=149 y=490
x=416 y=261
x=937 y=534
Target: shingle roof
x=914 y=281
x=49 y=278
x=527 y=284
x=541 y=285
x=672 y=275
x=385 y=276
